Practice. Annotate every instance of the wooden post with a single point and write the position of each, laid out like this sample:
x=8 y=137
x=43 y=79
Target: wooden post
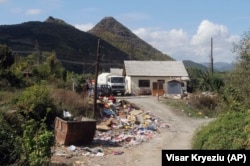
x=158 y=90
x=212 y=59
x=96 y=77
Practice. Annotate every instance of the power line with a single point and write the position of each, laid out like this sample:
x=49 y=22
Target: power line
x=23 y=51
x=89 y=63
x=76 y=62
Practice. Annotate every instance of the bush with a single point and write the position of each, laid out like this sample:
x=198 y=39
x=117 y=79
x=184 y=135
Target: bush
x=36 y=103
x=9 y=134
x=205 y=104
x=202 y=101
x=34 y=138
x=73 y=102
x=36 y=143
x=228 y=131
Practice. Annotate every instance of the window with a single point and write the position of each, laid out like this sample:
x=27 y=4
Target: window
x=144 y=83
x=117 y=80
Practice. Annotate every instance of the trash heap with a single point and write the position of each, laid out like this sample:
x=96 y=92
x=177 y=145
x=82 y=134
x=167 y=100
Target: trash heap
x=122 y=124
x=125 y=124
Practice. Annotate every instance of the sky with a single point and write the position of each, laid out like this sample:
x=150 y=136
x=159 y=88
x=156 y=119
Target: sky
x=183 y=29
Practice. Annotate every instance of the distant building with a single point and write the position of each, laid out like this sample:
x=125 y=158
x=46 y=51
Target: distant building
x=117 y=71
x=155 y=77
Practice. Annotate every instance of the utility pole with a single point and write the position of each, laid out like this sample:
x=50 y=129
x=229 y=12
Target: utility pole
x=96 y=77
x=212 y=60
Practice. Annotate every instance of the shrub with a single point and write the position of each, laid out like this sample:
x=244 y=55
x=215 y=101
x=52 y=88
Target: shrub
x=203 y=101
x=36 y=103
x=228 y=131
x=9 y=134
x=73 y=102
x=205 y=104
x=36 y=143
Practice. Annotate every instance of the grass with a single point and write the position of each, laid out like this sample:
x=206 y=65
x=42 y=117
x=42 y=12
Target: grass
x=190 y=108
x=228 y=131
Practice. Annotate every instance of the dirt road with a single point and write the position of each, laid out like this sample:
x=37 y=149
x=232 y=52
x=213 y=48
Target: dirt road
x=177 y=136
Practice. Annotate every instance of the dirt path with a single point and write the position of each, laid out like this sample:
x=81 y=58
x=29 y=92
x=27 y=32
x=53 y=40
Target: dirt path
x=177 y=136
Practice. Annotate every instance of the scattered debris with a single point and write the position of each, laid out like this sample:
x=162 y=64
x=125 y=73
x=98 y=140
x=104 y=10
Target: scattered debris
x=122 y=124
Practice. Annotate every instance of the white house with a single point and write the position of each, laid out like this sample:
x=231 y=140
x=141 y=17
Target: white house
x=155 y=77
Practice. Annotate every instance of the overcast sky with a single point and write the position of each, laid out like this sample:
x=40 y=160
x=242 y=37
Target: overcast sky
x=180 y=28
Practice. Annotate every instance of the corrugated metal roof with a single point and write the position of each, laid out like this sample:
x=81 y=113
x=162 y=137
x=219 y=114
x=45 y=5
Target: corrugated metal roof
x=155 y=68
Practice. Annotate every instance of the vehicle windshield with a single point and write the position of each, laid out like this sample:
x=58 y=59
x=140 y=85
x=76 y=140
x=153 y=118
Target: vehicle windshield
x=117 y=80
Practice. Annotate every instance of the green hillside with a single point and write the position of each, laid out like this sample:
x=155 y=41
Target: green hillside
x=121 y=37
x=190 y=64
x=76 y=49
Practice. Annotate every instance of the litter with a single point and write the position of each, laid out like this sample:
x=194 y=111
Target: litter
x=123 y=124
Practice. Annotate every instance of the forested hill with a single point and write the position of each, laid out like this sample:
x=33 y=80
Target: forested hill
x=112 y=31
x=77 y=49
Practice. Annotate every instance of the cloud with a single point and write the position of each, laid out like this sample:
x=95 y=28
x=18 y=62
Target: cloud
x=160 y=38
x=196 y=47
x=206 y=30
x=84 y=27
x=33 y=11
x=183 y=46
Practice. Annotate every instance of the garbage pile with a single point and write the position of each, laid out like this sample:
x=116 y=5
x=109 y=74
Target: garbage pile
x=125 y=124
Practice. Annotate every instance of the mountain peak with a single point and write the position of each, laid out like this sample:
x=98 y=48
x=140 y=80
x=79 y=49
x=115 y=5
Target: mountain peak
x=51 y=19
x=109 y=18
x=112 y=31
x=111 y=25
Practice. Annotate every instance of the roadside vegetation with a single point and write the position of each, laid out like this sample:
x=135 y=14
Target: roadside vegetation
x=34 y=89
x=231 y=129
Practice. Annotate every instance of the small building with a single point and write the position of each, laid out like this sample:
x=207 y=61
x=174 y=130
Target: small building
x=155 y=77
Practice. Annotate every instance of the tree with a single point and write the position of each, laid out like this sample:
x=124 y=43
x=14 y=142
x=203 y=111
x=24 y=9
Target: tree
x=239 y=78
x=6 y=57
x=231 y=130
x=35 y=103
x=205 y=80
x=7 y=77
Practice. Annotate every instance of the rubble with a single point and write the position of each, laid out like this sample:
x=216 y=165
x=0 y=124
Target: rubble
x=123 y=124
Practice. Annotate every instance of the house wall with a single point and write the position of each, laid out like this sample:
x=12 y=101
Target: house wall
x=132 y=83
x=128 y=85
